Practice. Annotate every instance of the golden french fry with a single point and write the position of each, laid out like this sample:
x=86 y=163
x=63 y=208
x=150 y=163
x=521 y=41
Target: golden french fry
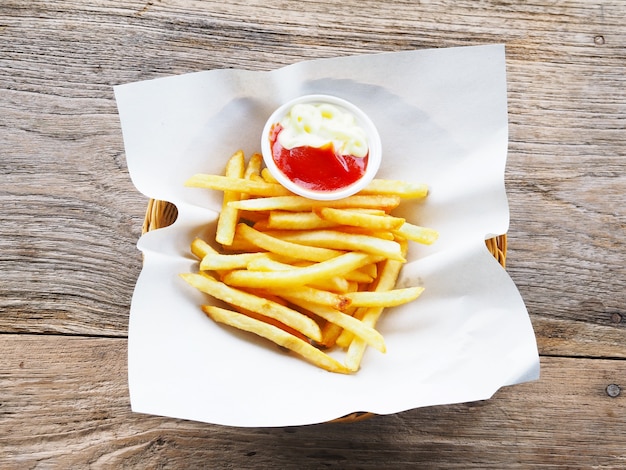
x=200 y=248
x=286 y=248
x=277 y=335
x=313 y=295
x=270 y=264
x=253 y=169
x=242 y=185
x=351 y=230
x=330 y=333
x=391 y=298
x=285 y=220
x=299 y=203
x=403 y=189
x=424 y=235
x=340 y=241
x=362 y=210
x=229 y=216
x=359 y=277
x=335 y=284
x=359 y=219
x=224 y=292
x=267 y=176
x=218 y=261
x=337 y=266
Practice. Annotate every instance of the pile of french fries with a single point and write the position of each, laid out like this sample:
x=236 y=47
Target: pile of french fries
x=308 y=275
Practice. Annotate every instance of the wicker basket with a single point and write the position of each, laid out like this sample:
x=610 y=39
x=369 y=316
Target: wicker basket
x=162 y=213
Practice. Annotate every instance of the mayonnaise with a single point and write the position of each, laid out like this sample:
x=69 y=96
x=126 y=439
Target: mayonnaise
x=317 y=125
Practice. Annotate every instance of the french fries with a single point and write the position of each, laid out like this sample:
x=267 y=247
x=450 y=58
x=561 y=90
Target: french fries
x=277 y=335
x=241 y=185
x=390 y=298
x=309 y=276
x=263 y=306
x=302 y=204
x=229 y=215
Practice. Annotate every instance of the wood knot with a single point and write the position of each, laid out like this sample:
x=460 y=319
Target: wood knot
x=598 y=40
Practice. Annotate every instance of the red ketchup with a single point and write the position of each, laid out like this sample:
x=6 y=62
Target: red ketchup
x=317 y=169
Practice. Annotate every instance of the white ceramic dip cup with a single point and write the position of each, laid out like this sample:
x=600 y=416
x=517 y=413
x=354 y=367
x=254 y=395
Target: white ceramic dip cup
x=362 y=120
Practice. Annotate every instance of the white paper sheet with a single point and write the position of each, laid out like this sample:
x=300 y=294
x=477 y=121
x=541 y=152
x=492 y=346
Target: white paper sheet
x=442 y=116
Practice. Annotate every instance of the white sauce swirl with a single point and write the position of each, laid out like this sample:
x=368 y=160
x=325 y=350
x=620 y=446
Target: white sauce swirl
x=317 y=125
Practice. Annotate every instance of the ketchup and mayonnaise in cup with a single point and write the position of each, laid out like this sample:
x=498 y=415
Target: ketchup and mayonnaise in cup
x=321 y=147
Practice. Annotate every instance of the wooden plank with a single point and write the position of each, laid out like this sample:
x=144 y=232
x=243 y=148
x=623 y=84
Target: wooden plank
x=64 y=404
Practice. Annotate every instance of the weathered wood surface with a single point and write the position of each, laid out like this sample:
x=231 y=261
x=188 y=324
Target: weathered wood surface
x=65 y=403
x=70 y=218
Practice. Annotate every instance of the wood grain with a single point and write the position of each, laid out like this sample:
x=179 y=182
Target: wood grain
x=70 y=218
x=64 y=405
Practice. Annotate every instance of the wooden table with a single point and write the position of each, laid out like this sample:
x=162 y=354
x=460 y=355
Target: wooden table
x=70 y=218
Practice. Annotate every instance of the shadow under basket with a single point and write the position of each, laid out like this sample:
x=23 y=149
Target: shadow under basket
x=161 y=214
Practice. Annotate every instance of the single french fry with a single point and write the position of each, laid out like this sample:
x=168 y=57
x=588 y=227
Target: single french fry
x=218 y=261
x=313 y=295
x=276 y=335
x=403 y=189
x=337 y=266
x=299 y=203
x=340 y=241
x=391 y=298
x=330 y=333
x=253 y=169
x=359 y=277
x=228 y=294
x=270 y=264
x=267 y=176
x=352 y=230
x=200 y=248
x=285 y=220
x=286 y=248
x=359 y=219
x=229 y=216
x=424 y=235
x=362 y=210
x=335 y=284
x=241 y=185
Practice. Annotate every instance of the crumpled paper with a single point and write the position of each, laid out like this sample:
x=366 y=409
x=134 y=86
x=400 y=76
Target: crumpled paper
x=442 y=117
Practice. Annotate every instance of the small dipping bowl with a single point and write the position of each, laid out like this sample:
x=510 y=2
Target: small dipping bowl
x=362 y=120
